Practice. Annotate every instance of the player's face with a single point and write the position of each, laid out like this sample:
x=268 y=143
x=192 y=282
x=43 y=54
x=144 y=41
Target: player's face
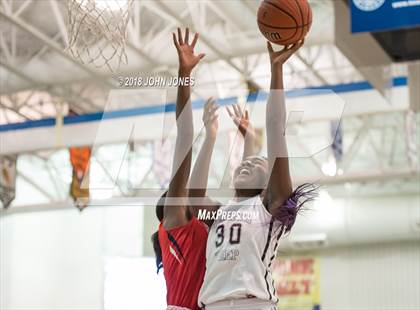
x=252 y=173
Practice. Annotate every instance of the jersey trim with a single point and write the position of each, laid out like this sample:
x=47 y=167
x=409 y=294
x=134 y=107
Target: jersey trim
x=268 y=286
x=271 y=261
x=270 y=231
x=173 y=241
x=268 y=239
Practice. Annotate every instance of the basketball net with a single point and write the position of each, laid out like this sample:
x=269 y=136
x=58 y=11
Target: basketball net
x=97 y=31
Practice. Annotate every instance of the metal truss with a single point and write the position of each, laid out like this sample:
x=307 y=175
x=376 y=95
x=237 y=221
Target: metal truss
x=376 y=159
x=39 y=79
x=32 y=52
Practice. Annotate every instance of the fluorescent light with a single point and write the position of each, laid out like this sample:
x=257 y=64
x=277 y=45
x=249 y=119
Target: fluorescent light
x=329 y=168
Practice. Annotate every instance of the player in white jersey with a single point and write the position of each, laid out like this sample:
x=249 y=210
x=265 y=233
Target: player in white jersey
x=243 y=241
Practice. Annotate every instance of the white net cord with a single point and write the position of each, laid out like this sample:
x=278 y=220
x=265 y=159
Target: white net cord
x=97 y=31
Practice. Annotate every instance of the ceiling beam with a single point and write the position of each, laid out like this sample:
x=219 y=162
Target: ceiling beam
x=36 y=84
x=59 y=20
x=18 y=73
x=22 y=8
x=311 y=69
x=52 y=45
x=16 y=111
x=203 y=38
x=249 y=6
x=39 y=188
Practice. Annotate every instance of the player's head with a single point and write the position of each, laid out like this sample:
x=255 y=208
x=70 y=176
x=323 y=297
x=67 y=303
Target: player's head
x=251 y=176
x=155 y=238
x=159 y=206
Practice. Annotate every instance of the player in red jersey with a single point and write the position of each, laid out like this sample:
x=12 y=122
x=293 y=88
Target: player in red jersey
x=181 y=237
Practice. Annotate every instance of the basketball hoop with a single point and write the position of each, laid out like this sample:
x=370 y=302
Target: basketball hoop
x=97 y=31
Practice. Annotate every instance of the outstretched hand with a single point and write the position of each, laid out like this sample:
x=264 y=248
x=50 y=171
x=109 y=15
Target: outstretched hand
x=210 y=118
x=187 y=59
x=241 y=120
x=280 y=57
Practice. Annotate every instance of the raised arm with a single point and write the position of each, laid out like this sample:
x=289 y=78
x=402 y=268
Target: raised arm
x=279 y=186
x=200 y=173
x=199 y=176
x=241 y=120
x=175 y=210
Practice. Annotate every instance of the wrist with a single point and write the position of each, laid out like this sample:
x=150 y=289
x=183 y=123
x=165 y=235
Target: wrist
x=211 y=136
x=183 y=72
x=277 y=68
x=249 y=136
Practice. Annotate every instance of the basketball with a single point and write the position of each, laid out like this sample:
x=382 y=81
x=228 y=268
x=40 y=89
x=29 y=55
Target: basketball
x=284 y=22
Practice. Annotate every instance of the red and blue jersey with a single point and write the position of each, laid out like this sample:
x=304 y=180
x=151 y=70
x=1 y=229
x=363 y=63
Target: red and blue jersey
x=184 y=262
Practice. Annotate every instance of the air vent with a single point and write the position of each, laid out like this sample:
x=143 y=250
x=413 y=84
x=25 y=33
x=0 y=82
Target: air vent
x=308 y=242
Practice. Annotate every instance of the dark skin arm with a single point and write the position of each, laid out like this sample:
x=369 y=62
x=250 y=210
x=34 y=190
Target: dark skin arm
x=279 y=186
x=199 y=176
x=175 y=210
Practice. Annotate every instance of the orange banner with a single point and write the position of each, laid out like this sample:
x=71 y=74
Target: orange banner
x=79 y=189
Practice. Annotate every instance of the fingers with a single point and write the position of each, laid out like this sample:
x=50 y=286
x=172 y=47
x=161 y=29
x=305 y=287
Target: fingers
x=236 y=121
x=301 y=43
x=187 y=35
x=286 y=49
x=213 y=109
x=209 y=101
x=237 y=110
x=175 y=41
x=297 y=46
x=201 y=56
x=194 y=42
x=207 y=106
x=229 y=112
x=246 y=115
x=210 y=110
x=269 y=47
x=290 y=48
x=294 y=48
x=211 y=106
x=180 y=41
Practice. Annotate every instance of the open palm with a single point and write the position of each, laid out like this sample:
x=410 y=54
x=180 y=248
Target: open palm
x=187 y=59
x=280 y=57
x=241 y=120
x=210 y=117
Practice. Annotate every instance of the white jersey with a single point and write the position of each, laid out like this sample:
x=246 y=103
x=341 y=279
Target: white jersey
x=239 y=254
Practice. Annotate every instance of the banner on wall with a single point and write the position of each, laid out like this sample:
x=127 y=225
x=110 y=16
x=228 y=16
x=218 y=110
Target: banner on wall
x=297 y=282
x=79 y=188
x=8 y=179
x=380 y=15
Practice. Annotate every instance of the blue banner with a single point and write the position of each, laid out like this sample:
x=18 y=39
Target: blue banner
x=380 y=15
